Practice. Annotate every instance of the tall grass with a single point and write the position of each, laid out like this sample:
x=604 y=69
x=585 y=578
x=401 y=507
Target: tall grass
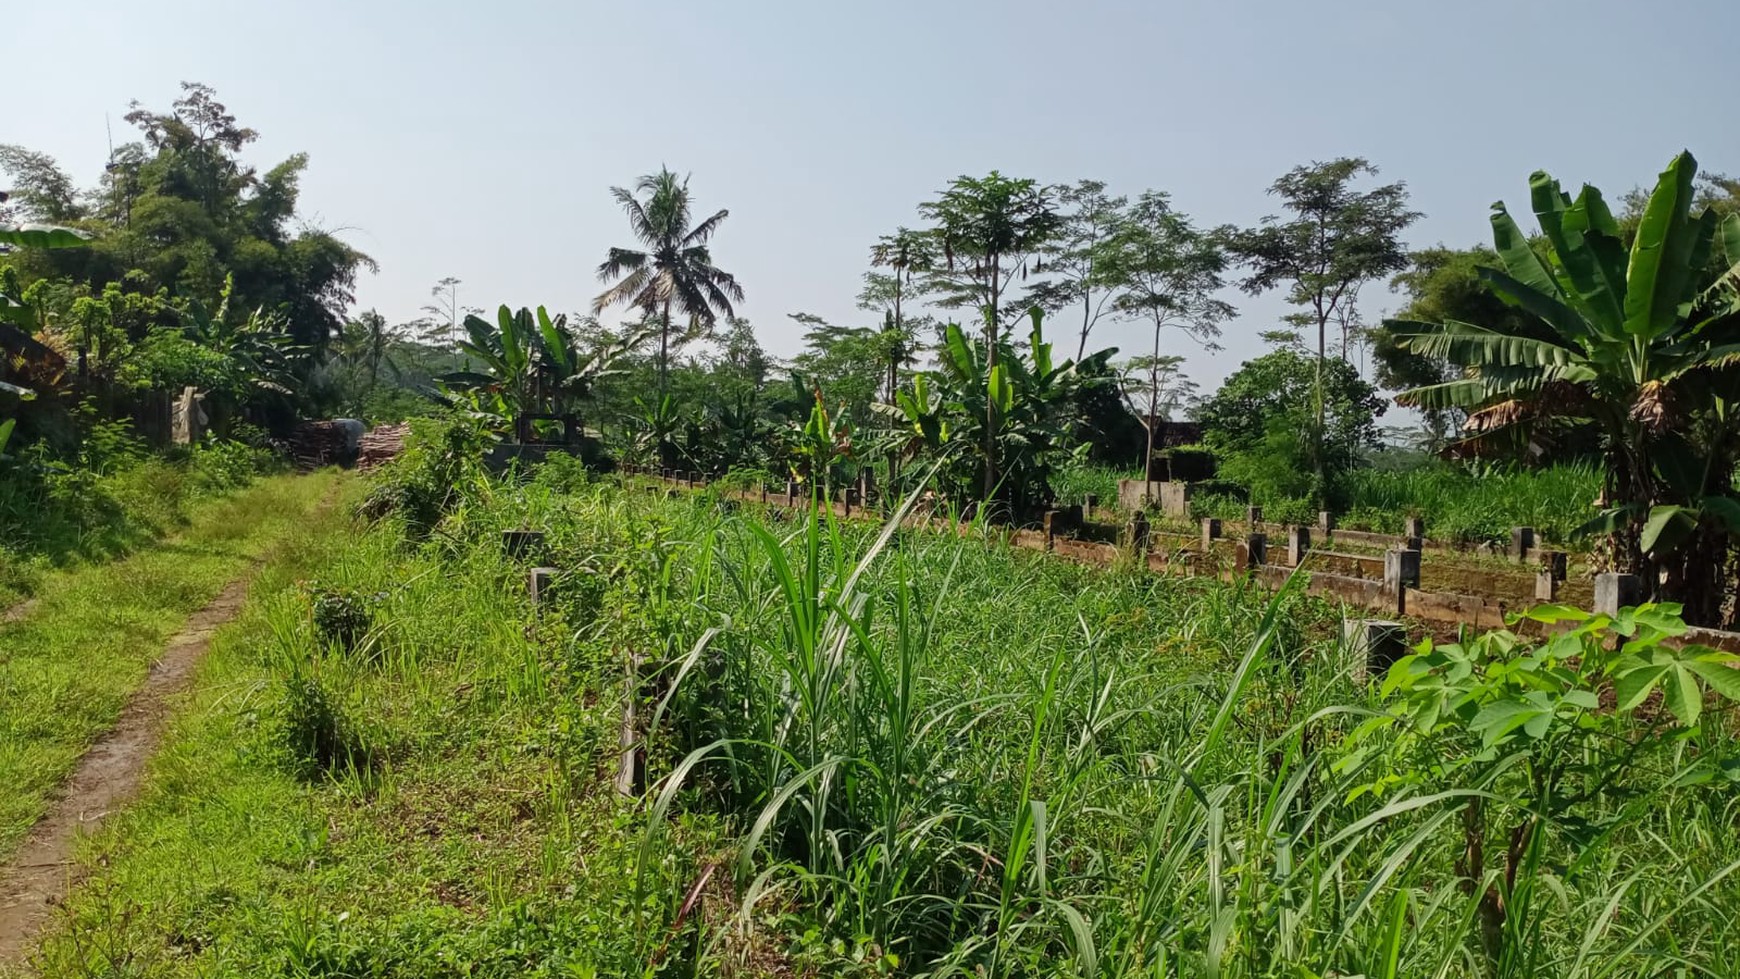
x=963 y=756
x=882 y=751
x=1460 y=504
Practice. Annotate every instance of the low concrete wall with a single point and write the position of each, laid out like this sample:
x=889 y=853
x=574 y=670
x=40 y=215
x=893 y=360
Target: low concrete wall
x=1183 y=553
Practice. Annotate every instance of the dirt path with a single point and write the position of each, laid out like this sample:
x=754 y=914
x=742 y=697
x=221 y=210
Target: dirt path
x=42 y=870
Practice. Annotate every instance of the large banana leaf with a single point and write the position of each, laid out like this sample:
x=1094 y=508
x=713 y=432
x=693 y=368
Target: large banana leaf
x=555 y=341
x=1519 y=257
x=1570 y=232
x=1656 y=278
x=1466 y=343
x=42 y=236
x=1547 y=306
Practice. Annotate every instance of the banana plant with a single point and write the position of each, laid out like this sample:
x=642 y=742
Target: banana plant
x=504 y=356
x=258 y=347
x=1637 y=340
x=19 y=319
x=533 y=363
x=815 y=448
x=1030 y=394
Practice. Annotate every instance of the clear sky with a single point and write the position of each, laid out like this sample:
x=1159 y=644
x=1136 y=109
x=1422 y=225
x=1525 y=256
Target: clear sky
x=479 y=139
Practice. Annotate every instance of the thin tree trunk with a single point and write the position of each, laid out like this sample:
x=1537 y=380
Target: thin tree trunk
x=1153 y=408
x=664 y=351
x=990 y=402
x=1086 y=311
x=1322 y=465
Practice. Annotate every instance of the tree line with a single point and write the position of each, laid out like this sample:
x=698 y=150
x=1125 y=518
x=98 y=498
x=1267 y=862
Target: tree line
x=1604 y=334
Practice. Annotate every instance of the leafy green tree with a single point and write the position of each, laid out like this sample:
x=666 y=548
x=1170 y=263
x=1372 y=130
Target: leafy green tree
x=988 y=228
x=673 y=266
x=906 y=254
x=848 y=363
x=1089 y=219
x=1256 y=420
x=40 y=190
x=1638 y=341
x=1166 y=390
x=184 y=212
x=1335 y=240
x=1166 y=272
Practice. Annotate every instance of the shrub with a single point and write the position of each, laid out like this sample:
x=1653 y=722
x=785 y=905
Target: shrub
x=315 y=730
x=419 y=486
x=343 y=616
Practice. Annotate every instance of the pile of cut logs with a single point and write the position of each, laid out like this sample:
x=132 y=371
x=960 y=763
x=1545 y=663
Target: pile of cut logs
x=316 y=444
x=382 y=443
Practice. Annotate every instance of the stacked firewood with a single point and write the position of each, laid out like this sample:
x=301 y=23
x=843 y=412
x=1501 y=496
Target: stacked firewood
x=382 y=443
x=316 y=444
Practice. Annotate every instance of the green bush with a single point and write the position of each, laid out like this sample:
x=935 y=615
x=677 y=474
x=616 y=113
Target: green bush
x=420 y=486
x=316 y=731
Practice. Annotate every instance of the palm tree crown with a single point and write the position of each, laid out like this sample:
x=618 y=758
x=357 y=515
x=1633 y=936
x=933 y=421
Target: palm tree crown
x=673 y=266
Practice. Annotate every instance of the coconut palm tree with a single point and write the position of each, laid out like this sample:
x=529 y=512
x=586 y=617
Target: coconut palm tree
x=673 y=266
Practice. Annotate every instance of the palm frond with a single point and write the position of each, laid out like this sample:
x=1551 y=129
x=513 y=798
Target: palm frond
x=699 y=234
x=629 y=291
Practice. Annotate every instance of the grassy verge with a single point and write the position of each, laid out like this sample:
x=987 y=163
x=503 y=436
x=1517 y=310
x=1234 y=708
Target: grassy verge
x=68 y=667
x=426 y=796
x=922 y=756
x=104 y=505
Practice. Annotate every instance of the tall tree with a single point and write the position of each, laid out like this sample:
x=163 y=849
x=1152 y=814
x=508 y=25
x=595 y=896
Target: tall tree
x=674 y=266
x=1076 y=262
x=1336 y=239
x=184 y=211
x=988 y=228
x=40 y=190
x=444 y=312
x=906 y=254
x=1167 y=273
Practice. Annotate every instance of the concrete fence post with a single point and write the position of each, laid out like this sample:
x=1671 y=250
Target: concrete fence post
x=1210 y=532
x=1139 y=533
x=1326 y=522
x=522 y=543
x=1091 y=504
x=1414 y=528
x=1401 y=570
x=1049 y=523
x=538 y=582
x=764 y=491
x=1256 y=551
x=1555 y=564
x=1546 y=587
x=1616 y=591
x=791 y=492
x=1253 y=516
x=1298 y=545
x=1522 y=542
x=1374 y=646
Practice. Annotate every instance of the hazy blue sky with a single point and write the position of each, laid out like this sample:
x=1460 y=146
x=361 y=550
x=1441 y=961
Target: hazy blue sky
x=478 y=139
